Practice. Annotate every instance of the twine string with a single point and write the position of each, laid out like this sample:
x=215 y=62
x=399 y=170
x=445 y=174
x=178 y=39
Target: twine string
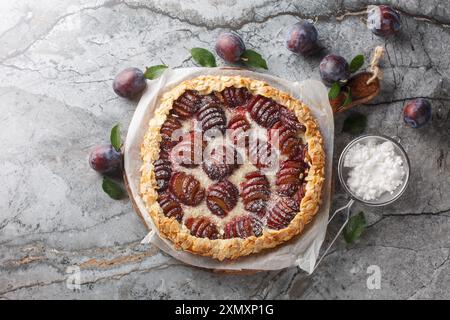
x=374 y=68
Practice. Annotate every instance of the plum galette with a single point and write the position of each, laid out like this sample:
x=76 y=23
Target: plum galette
x=231 y=166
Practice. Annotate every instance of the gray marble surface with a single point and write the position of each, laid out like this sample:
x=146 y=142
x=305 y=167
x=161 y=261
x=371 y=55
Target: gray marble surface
x=57 y=62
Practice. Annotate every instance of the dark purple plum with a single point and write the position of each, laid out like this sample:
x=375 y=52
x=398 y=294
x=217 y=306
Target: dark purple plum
x=383 y=21
x=105 y=159
x=302 y=38
x=417 y=112
x=129 y=83
x=230 y=47
x=334 y=68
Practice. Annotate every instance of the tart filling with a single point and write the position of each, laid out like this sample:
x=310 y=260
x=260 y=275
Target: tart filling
x=231 y=166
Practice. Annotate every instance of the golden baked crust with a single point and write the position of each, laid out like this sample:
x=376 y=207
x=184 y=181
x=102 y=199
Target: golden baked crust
x=233 y=248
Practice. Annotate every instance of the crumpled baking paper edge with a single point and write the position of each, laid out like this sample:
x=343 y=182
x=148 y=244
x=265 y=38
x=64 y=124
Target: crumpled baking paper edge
x=303 y=250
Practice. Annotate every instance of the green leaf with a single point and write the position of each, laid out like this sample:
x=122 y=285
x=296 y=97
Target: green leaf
x=355 y=123
x=348 y=98
x=334 y=91
x=116 y=142
x=203 y=57
x=356 y=63
x=154 y=72
x=253 y=59
x=355 y=227
x=112 y=188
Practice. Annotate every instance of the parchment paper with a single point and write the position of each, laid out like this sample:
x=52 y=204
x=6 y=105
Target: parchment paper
x=303 y=250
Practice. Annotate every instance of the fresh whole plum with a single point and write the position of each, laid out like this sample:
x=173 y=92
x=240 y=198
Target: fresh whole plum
x=129 y=83
x=383 y=21
x=302 y=38
x=105 y=159
x=334 y=68
x=230 y=47
x=417 y=112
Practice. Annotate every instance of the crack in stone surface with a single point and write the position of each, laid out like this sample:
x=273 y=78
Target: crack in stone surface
x=116 y=276
x=109 y=263
x=340 y=15
x=403 y=100
x=56 y=230
x=420 y=17
x=384 y=216
x=51 y=27
x=432 y=279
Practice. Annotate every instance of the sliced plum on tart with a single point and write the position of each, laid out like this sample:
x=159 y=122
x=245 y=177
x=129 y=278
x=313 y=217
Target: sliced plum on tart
x=264 y=111
x=186 y=188
x=280 y=212
x=222 y=197
x=212 y=116
x=202 y=227
x=243 y=227
x=187 y=104
x=255 y=191
x=220 y=161
x=170 y=206
x=234 y=97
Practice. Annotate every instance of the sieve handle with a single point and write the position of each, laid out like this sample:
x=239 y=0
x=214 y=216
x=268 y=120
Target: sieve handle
x=345 y=208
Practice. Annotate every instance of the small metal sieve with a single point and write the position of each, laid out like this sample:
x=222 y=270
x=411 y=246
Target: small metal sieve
x=385 y=199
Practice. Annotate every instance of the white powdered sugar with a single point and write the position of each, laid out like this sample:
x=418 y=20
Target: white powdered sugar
x=376 y=169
